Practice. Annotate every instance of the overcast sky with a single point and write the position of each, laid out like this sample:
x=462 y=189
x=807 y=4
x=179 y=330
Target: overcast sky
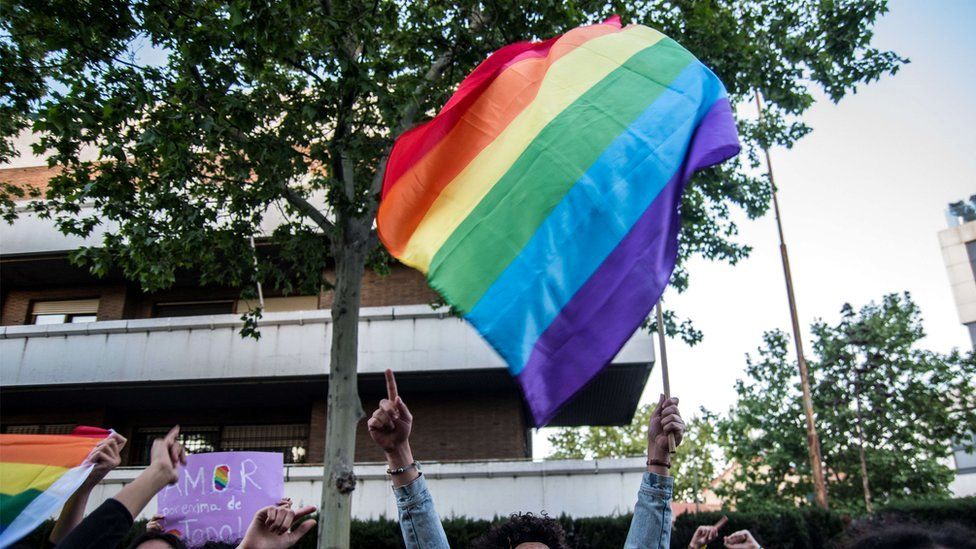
x=863 y=198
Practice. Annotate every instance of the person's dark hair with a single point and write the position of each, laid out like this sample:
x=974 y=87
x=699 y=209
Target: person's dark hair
x=522 y=528
x=910 y=535
x=174 y=541
x=220 y=545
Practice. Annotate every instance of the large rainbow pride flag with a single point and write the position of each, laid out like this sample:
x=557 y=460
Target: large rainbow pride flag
x=542 y=201
x=38 y=473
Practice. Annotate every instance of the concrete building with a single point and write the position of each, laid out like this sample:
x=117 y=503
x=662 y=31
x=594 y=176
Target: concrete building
x=76 y=349
x=959 y=255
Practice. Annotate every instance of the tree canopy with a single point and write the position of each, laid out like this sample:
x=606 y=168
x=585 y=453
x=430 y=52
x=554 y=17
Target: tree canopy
x=915 y=405
x=694 y=466
x=206 y=117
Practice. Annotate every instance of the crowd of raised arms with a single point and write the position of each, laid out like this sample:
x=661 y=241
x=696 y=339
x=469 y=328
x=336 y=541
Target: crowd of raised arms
x=281 y=525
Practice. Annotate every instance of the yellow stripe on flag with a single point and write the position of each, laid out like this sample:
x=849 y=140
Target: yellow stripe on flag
x=19 y=477
x=567 y=80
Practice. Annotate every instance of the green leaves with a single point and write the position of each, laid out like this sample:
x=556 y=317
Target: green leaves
x=209 y=118
x=694 y=465
x=914 y=407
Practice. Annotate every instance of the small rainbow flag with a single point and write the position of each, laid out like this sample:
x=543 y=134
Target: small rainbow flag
x=542 y=201
x=38 y=473
x=221 y=477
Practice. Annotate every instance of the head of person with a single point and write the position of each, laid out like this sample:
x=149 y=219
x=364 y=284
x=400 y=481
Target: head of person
x=157 y=540
x=524 y=531
x=907 y=535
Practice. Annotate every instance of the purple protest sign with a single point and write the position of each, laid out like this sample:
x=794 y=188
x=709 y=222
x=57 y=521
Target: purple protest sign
x=217 y=494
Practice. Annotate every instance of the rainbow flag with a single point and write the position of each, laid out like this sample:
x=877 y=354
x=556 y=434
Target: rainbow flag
x=542 y=201
x=38 y=473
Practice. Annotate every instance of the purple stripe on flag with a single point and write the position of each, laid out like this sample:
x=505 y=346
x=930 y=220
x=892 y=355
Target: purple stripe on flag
x=605 y=312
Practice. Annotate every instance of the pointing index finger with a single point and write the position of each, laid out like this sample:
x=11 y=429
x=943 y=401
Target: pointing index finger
x=391 y=388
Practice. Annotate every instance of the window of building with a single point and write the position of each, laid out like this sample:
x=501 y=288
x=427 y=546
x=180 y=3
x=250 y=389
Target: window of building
x=289 y=439
x=48 y=429
x=195 y=439
x=67 y=311
x=965 y=461
x=194 y=308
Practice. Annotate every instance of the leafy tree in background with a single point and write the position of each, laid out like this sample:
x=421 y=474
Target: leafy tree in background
x=914 y=404
x=694 y=466
x=207 y=118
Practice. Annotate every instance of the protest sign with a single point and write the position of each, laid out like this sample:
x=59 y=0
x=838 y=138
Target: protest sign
x=218 y=493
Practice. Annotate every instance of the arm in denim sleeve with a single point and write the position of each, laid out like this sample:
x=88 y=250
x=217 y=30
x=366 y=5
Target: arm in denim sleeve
x=651 y=526
x=419 y=523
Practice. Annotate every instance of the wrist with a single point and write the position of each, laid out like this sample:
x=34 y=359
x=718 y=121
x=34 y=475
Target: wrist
x=158 y=475
x=655 y=453
x=400 y=456
x=658 y=461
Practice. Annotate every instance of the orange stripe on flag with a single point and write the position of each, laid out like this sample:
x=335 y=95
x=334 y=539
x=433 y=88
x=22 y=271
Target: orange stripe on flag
x=58 y=450
x=402 y=210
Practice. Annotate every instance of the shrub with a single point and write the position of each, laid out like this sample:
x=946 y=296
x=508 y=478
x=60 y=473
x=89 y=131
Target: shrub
x=787 y=528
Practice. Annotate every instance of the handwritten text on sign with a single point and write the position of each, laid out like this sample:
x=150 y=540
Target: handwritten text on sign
x=217 y=494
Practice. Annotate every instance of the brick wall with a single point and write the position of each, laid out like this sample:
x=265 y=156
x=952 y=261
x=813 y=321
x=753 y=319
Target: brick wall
x=17 y=303
x=24 y=178
x=402 y=286
x=446 y=427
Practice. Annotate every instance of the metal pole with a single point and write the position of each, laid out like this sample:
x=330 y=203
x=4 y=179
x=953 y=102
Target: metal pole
x=664 y=365
x=813 y=441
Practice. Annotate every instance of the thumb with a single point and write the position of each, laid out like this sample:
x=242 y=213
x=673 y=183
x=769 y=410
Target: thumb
x=301 y=530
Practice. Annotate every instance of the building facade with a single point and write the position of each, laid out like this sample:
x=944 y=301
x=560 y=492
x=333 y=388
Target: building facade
x=959 y=255
x=80 y=350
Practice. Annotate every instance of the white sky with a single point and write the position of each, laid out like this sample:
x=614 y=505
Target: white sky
x=862 y=197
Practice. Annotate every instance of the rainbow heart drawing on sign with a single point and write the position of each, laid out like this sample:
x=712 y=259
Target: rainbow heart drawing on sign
x=221 y=477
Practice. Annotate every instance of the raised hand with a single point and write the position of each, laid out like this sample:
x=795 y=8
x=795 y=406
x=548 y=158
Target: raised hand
x=390 y=425
x=105 y=456
x=155 y=524
x=167 y=454
x=741 y=540
x=271 y=527
x=665 y=420
x=703 y=535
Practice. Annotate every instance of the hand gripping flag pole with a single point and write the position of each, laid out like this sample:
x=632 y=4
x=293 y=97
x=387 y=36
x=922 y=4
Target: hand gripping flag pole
x=664 y=365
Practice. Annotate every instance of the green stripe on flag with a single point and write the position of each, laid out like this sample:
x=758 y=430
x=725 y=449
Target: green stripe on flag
x=13 y=505
x=498 y=228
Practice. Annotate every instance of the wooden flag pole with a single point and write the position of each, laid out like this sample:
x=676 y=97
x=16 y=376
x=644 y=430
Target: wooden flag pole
x=813 y=441
x=664 y=365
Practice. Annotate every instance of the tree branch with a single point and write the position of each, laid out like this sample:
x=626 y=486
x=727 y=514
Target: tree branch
x=304 y=206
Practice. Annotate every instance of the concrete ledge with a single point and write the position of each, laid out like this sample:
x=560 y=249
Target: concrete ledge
x=212 y=322
x=451 y=470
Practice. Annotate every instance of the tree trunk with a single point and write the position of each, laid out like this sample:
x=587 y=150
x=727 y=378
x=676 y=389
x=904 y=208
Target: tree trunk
x=345 y=409
x=865 y=485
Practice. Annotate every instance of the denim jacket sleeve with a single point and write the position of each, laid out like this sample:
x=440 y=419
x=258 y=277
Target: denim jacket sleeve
x=419 y=523
x=651 y=525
